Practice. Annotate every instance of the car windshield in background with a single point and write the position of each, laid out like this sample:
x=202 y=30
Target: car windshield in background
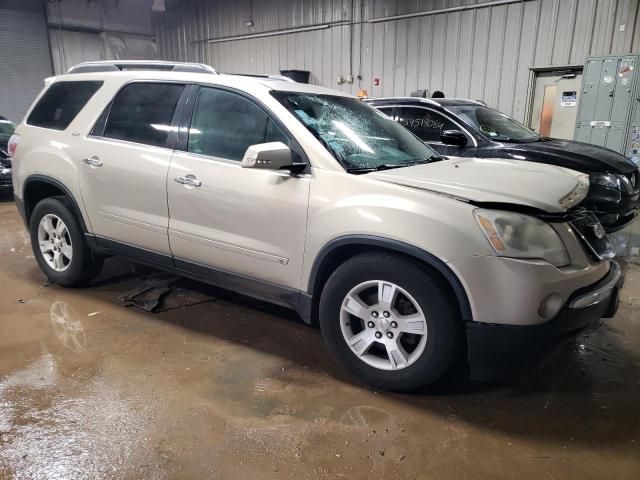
x=495 y=125
x=358 y=136
x=6 y=127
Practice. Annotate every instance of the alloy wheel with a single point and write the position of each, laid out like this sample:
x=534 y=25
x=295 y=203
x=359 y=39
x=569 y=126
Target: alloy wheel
x=383 y=325
x=55 y=242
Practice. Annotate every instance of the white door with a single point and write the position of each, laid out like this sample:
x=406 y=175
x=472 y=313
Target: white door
x=244 y=221
x=124 y=166
x=555 y=104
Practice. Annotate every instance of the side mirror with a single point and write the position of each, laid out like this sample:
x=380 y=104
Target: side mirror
x=453 y=137
x=271 y=156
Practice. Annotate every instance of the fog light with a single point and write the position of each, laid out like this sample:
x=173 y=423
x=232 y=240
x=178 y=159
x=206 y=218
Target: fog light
x=550 y=306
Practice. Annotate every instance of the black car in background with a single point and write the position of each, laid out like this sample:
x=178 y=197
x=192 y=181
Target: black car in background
x=7 y=127
x=466 y=128
x=6 y=130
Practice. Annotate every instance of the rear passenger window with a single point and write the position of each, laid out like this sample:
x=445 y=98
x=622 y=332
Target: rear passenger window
x=143 y=112
x=61 y=103
x=225 y=124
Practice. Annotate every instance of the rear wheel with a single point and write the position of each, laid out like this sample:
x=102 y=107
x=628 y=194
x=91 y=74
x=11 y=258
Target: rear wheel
x=59 y=245
x=389 y=322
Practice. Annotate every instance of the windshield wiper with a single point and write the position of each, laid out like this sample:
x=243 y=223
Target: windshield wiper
x=378 y=168
x=388 y=166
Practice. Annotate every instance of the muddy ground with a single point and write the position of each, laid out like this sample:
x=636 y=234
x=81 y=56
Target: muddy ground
x=219 y=386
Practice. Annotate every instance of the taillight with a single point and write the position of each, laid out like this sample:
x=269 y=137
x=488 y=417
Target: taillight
x=13 y=144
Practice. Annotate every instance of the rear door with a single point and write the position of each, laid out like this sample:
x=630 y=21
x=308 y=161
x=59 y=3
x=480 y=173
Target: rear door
x=125 y=160
x=245 y=221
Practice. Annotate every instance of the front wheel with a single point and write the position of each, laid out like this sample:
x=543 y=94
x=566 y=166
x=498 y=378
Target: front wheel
x=59 y=246
x=389 y=322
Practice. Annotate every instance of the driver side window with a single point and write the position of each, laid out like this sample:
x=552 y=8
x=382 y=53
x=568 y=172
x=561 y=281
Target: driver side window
x=426 y=124
x=224 y=124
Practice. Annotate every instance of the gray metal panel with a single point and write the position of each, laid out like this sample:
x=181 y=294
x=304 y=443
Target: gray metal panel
x=590 y=87
x=615 y=137
x=606 y=89
x=583 y=133
x=610 y=94
x=26 y=60
x=623 y=97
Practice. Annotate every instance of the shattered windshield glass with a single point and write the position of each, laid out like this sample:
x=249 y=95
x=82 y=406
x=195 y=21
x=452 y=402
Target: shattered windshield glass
x=361 y=138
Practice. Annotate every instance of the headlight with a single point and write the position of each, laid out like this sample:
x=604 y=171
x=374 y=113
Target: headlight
x=610 y=180
x=521 y=236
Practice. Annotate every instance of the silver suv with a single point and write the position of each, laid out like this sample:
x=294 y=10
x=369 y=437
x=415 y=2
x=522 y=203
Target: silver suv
x=310 y=199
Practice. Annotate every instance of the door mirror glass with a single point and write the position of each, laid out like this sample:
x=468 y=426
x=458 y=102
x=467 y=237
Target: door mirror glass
x=268 y=156
x=453 y=137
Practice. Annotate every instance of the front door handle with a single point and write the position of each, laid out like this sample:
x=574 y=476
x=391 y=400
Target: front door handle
x=189 y=181
x=93 y=161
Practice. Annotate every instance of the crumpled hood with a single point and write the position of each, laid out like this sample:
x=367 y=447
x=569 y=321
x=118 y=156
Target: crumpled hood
x=545 y=187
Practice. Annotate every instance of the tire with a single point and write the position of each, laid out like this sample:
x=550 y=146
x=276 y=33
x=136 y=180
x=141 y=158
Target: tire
x=70 y=242
x=420 y=305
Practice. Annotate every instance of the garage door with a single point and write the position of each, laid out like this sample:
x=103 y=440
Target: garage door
x=25 y=60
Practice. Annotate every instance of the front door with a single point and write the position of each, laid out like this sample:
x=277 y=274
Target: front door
x=555 y=103
x=244 y=221
x=123 y=174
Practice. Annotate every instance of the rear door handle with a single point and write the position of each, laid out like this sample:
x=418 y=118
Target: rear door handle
x=189 y=181
x=93 y=161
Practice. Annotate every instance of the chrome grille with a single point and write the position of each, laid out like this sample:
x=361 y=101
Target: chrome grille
x=593 y=236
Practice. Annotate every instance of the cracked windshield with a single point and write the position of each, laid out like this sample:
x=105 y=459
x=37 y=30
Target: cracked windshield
x=358 y=136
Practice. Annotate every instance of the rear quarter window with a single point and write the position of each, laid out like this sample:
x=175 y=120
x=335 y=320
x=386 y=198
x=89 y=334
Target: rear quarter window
x=61 y=103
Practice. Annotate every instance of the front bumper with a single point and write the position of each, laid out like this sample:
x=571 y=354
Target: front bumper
x=614 y=208
x=499 y=351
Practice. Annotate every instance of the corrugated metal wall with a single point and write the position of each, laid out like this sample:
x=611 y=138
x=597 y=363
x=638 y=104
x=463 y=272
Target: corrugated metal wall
x=99 y=30
x=478 y=51
x=25 y=55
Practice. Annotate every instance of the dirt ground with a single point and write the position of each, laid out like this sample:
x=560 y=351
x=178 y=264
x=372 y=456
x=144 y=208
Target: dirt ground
x=229 y=388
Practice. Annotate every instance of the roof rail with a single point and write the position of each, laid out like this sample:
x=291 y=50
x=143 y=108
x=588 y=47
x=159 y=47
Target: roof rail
x=419 y=99
x=120 y=65
x=266 y=76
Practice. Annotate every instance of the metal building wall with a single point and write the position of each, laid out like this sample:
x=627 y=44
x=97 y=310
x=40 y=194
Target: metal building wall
x=82 y=30
x=481 y=49
x=25 y=55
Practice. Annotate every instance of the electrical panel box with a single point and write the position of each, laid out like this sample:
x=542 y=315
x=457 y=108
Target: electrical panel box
x=609 y=109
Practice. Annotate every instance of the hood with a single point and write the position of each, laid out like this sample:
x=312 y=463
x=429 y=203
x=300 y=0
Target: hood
x=545 y=187
x=578 y=155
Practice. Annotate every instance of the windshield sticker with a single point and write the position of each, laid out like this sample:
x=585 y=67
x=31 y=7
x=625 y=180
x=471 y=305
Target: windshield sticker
x=568 y=99
x=489 y=130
